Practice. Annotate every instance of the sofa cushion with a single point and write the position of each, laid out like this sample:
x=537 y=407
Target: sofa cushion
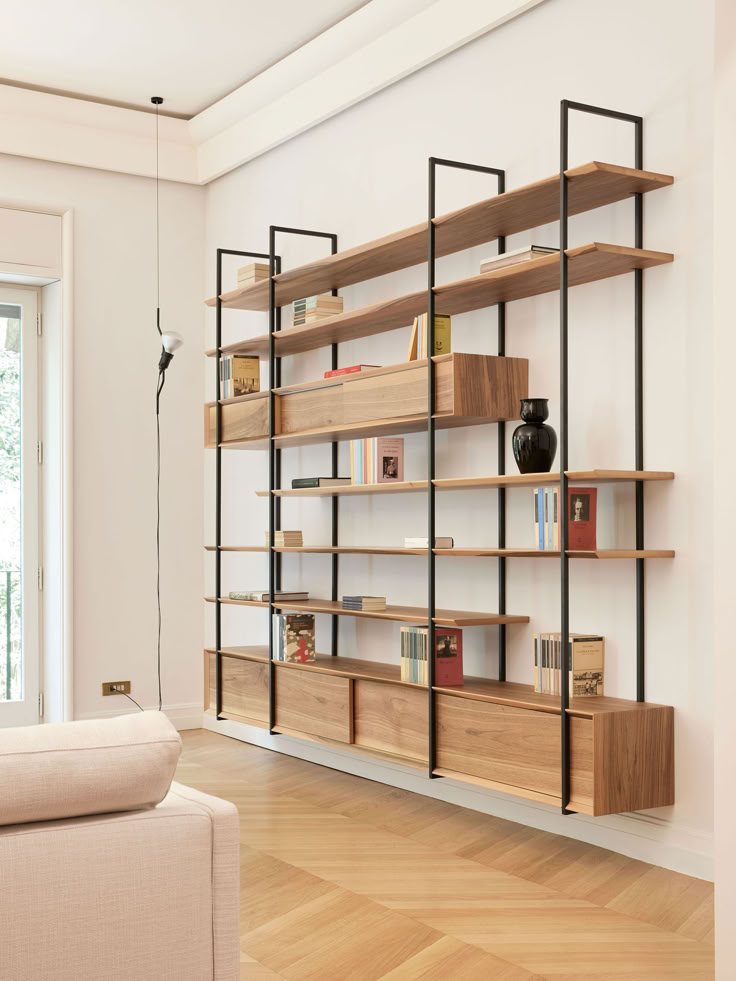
x=92 y=767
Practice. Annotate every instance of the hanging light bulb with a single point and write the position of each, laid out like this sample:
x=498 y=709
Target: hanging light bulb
x=170 y=342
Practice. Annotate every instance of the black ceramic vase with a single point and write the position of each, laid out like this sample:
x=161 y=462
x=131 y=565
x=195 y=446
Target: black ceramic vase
x=534 y=442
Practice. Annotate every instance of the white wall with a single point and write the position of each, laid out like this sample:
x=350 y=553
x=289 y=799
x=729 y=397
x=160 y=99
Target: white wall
x=363 y=174
x=115 y=358
x=724 y=479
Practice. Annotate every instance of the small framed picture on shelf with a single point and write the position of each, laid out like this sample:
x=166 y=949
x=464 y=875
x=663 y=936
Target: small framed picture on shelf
x=582 y=518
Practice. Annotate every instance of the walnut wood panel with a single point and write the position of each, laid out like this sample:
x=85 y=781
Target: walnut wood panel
x=391 y=719
x=514 y=747
x=523 y=792
x=241 y=419
x=633 y=759
x=319 y=704
x=405 y=614
x=244 y=687
x=472 y=483
x=590 y=186
x=523 y=696
x=471 y=389
x=587 y=264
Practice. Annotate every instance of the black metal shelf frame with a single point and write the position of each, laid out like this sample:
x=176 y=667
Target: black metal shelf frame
x=274 y=372
x=434 y=163
x=565 y=107
x=274 y=454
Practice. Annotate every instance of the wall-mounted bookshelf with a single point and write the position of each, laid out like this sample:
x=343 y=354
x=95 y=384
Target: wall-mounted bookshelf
x=594 y=755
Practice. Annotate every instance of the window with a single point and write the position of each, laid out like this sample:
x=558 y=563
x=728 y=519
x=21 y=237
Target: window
x=19 y=514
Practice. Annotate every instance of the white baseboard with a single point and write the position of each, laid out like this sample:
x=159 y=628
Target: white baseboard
x=182 y=716
x=642 y=836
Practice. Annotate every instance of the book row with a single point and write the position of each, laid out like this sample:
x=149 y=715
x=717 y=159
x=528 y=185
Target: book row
x=582 y=506
x=379 y=460
x=448 y=655
x=585 y=653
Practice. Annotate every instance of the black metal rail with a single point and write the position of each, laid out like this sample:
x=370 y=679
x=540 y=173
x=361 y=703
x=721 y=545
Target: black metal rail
x=218 y=470
x=565 y=107
x=274 y=454
x=434 y=163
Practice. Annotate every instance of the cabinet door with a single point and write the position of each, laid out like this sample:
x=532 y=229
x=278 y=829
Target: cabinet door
x=244 y=688
x=392 y=719
x=318 y=704
x=513 y=746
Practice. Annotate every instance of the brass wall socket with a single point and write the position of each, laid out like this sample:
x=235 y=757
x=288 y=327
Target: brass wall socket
x=115 y=687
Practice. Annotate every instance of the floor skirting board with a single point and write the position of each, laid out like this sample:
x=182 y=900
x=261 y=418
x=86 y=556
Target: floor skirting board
x=641 y=836
x=182 y=716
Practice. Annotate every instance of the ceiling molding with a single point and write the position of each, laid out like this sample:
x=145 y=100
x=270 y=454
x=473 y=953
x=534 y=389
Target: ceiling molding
x=366 y=52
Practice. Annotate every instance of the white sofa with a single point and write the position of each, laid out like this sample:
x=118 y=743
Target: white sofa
x=108 y=870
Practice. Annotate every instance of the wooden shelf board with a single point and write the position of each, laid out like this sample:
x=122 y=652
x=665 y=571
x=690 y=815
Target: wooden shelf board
x=257 y=653
x=405 y=614
x=524 y=553
x=473 y=483
x=586 y=264
x=590 y=186
x=579 y=808
x=523 y=696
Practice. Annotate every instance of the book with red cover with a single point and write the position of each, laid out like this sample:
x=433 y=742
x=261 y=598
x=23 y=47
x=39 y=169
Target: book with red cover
x=448 y=661
x=581 y=504
x=350 y=370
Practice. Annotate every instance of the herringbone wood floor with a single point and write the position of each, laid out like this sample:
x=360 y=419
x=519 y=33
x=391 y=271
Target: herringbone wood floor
x=344 y=879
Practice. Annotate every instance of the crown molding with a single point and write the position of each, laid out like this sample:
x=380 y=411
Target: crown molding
x=378 y=45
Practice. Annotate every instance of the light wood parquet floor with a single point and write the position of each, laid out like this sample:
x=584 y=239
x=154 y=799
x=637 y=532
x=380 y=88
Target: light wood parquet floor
x=344 y=879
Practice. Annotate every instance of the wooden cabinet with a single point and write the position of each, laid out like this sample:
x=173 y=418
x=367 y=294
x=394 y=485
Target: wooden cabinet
x=244 y=688
x=318 y=704
x=470 y=389
x=620 y=760
x=391 y=719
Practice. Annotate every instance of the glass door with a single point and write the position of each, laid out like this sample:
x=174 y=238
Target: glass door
x=20 y=455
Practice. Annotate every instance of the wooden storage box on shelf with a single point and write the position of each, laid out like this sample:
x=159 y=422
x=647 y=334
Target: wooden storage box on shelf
x=391 y=719
x=621 y=753
x=470 y=389
x=318 y=704
x=244 y=688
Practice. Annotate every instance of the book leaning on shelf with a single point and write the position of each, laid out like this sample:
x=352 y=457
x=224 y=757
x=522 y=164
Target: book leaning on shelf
x=293 y=638
x=379 y=460
x=586 y=653
x=448 y=662
x=418 y=339
x=547 y=518
x=240 y=374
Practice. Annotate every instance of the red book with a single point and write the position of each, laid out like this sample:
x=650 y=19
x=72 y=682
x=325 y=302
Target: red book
x=448 y=661
x=350 y=370
x=581 y=505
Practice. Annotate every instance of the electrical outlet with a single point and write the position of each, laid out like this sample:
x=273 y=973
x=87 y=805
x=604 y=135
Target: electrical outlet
x=115 y=687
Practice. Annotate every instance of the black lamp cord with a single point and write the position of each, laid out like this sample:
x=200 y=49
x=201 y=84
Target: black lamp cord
x=159 y=388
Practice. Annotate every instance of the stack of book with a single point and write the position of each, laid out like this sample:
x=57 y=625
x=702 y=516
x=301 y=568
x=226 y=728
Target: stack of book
x=315 y=308
x=240 y=374
x=448 y=662
x=422 y=542
x=293 y=637
x=527 y=254
x=302 y=482
x=379 y=460
x=585 y=654
x=256 y=272
x=353 y=369
x=261 y=596
x=547 y=518
x=285 y=539
x=369 y=604
x=442 y=336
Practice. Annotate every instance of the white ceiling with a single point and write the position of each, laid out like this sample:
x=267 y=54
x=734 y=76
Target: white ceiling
x=188 y=51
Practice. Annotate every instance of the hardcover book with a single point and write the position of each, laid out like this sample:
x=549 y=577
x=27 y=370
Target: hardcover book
x=261 y=596
x=293 y=637
x=581 y=518
x=352 y=369
x=301 y=482
x=256 y=272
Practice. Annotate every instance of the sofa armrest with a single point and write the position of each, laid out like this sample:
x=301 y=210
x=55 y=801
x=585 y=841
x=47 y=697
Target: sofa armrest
x=225 y=877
